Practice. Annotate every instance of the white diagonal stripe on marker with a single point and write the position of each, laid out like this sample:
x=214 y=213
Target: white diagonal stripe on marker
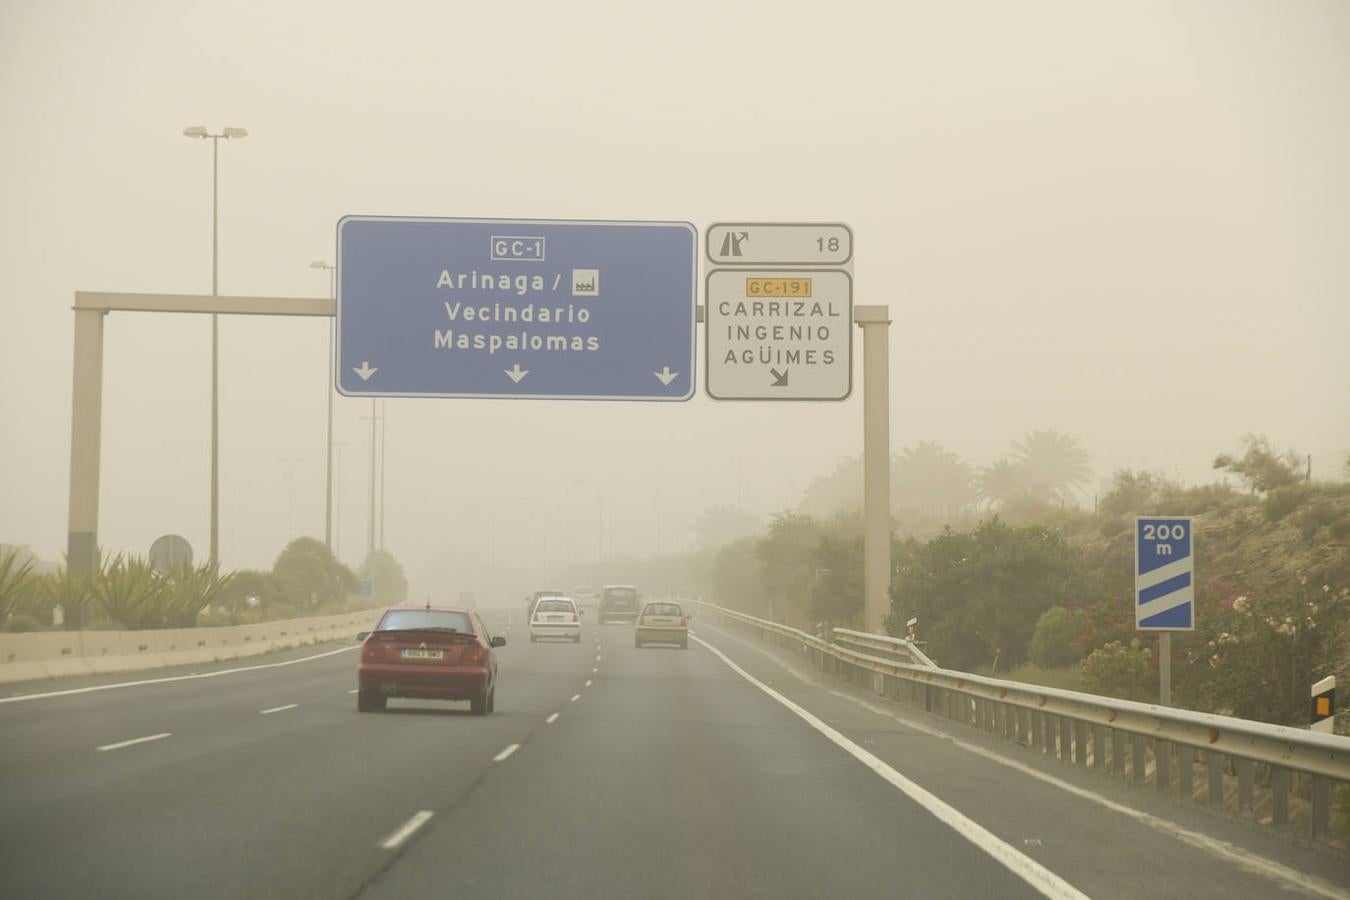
x=1179 y=597
x=1158 y=576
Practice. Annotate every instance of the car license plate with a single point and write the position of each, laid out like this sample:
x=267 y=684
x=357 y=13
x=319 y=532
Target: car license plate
x=417 y=653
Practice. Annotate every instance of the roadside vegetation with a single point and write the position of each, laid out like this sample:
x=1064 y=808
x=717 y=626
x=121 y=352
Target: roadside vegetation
x=128 y=593
x=1006 y=577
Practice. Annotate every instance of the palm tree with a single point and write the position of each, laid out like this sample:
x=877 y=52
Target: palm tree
x=932 y=479
x=1003 y=482
x=1054 y=464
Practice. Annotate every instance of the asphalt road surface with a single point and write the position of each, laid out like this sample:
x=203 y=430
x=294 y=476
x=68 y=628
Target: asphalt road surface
x=723 y=770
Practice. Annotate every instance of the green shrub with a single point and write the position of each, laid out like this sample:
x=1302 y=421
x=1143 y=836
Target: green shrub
x=1282 y=501
x=1052 y=643
x=1117 y=670
x=1340 y=811
x=17 y=583
x=1113 y=526
x=24 y=621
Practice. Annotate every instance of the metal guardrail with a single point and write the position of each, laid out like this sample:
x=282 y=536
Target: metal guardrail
x=883 y=643
x=1271 y=774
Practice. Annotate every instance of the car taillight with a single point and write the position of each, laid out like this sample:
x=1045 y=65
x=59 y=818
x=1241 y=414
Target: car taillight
x=474 y=655
x=370 y=650
x=571 y=617
x=642 y=620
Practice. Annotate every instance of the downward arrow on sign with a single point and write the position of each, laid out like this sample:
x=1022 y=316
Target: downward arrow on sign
x=516 y=373
x=365 y=371
x=666 y=376
x=780 y=379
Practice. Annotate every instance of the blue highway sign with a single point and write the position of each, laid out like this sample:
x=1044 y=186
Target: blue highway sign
x=1164 y=574
x=516 y=308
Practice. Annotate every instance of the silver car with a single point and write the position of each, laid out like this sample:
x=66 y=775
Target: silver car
x=662 y=622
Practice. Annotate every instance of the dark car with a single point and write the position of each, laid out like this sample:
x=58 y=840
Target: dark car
x=428 y=653
x=619 y=603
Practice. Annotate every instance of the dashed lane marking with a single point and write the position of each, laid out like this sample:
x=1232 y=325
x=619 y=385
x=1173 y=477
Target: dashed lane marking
x=277 y=709
x=405 y=831
x=551 y=719
x=512 y=748
x=131 y=743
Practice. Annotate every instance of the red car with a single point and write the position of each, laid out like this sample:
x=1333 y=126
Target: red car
x=428 y=654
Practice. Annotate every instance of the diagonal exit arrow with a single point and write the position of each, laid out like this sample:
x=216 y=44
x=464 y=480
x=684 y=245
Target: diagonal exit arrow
x=365 y=371
x=515 y=373
x=780 y=379
x=666 y=376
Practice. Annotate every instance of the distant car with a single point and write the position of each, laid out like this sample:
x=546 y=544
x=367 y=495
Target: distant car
x=662 y=622
x=618 y=603
x=556 y=617
x=534 y=598
x=428 y=653
x=585 y=595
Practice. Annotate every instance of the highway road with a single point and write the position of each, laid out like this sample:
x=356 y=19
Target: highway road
x=724 y=770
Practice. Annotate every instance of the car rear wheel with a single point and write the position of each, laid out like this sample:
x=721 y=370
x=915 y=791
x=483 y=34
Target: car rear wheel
x=479 y=705
x=684 y=644
x=369 y=701
x=637 y=643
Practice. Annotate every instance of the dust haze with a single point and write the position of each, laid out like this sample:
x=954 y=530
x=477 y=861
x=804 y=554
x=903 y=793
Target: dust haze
x=1124 y=222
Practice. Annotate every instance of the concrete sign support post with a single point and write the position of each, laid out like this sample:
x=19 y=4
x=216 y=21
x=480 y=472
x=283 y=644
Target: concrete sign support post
x=875 y=322
x=85 y=438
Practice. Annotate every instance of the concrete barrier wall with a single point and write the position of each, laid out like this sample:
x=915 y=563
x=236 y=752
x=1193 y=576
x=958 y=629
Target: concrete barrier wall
x=53 y=654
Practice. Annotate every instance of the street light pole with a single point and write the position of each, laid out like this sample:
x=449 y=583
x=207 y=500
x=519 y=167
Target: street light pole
x=600 y=508
x=199 y=131
x=384 y=419
x=337 y=537
x=370 y=542
x=328 y=482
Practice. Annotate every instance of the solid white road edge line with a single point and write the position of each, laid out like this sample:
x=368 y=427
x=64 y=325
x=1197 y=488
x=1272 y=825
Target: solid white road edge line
x=134 y=741
x=551 y=719
x=122 y=684
x=268 y=712
x=512 y=748
x=1243 y=859
x=1033 y=873
x=406 y=830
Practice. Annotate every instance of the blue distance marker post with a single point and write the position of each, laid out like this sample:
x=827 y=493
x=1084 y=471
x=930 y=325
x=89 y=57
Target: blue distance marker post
x=516 y=309
x=1164 y=586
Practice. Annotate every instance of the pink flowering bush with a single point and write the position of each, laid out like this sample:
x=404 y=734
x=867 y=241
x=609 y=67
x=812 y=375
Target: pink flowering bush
x=1257 y=656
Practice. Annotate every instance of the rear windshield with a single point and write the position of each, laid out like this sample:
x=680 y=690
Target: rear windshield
x=662 y=609
x=620 y=593
x=411 y=619
x=553 y=606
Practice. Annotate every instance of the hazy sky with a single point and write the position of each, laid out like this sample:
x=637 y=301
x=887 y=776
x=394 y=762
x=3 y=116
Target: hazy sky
x=1125 y=221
